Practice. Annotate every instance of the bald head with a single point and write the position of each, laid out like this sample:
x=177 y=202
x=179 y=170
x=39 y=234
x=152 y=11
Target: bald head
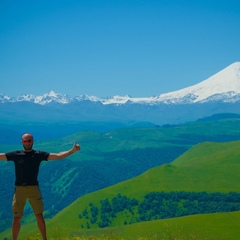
x=27 y=135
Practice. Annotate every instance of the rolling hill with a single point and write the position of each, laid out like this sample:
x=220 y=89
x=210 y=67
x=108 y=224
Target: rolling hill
x=207 y=167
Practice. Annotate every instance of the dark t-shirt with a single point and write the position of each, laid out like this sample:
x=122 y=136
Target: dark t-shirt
x=27 y=166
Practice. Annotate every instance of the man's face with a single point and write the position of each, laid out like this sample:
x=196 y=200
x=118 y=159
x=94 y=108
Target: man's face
x=27 y=142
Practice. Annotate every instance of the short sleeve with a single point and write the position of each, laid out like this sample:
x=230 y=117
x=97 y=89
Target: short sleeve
x=43 y=155
x=11 y=155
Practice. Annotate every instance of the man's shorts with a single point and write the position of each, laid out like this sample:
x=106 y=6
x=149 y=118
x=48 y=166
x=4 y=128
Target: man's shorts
x=24 y=193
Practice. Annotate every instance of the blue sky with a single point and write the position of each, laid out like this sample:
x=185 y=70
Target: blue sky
x=103 y=48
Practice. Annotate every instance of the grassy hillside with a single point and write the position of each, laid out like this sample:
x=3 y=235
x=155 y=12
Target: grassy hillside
x=217 y=226
x=207 y=167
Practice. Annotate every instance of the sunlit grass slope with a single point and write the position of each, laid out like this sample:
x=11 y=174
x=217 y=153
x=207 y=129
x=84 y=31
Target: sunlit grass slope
x=210 y=167
x=217 y=226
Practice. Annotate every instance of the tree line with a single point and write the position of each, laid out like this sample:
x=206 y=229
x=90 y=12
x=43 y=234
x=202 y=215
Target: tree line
x=158 y=205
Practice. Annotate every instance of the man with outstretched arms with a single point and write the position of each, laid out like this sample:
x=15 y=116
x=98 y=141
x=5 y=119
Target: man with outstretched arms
x=27 y=163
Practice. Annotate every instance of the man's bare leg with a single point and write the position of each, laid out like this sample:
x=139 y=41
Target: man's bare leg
x=41 y=225
x=16 y=227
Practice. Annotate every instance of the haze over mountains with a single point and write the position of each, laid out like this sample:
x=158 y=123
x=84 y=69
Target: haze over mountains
x=218 y=94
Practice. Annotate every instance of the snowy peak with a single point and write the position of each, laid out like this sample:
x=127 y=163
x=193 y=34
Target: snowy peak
x=222 y=85
x=45 y=98
x=53 y=97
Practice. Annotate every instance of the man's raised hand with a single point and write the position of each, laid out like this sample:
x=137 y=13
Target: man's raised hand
x=76 y=147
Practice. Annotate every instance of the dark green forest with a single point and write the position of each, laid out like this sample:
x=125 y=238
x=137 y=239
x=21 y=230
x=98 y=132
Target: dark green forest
x=159 y=205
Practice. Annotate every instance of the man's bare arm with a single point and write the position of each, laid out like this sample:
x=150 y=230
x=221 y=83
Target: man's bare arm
x=65 y=154
x=3 y=157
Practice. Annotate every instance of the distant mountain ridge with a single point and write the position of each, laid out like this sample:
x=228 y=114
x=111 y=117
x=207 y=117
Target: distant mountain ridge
x=222 y=86
x=219 y=93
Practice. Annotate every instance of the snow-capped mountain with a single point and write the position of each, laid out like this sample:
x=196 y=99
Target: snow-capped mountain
x=223 y=86
x=47 y=98
x=44 y=99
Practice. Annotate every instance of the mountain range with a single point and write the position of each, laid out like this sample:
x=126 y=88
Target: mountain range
x=222 y=86
x=218 y=94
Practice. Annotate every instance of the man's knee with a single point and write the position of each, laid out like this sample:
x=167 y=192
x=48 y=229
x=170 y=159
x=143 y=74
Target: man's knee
x=39 y=216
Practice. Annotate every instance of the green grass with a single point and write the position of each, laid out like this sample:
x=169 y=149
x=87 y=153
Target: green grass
x=210 y=167
x=218 y=226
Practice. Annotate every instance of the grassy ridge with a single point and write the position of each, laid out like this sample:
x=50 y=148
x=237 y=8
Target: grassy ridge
x=208 y=226
x=211 y=167
x=218 y=226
